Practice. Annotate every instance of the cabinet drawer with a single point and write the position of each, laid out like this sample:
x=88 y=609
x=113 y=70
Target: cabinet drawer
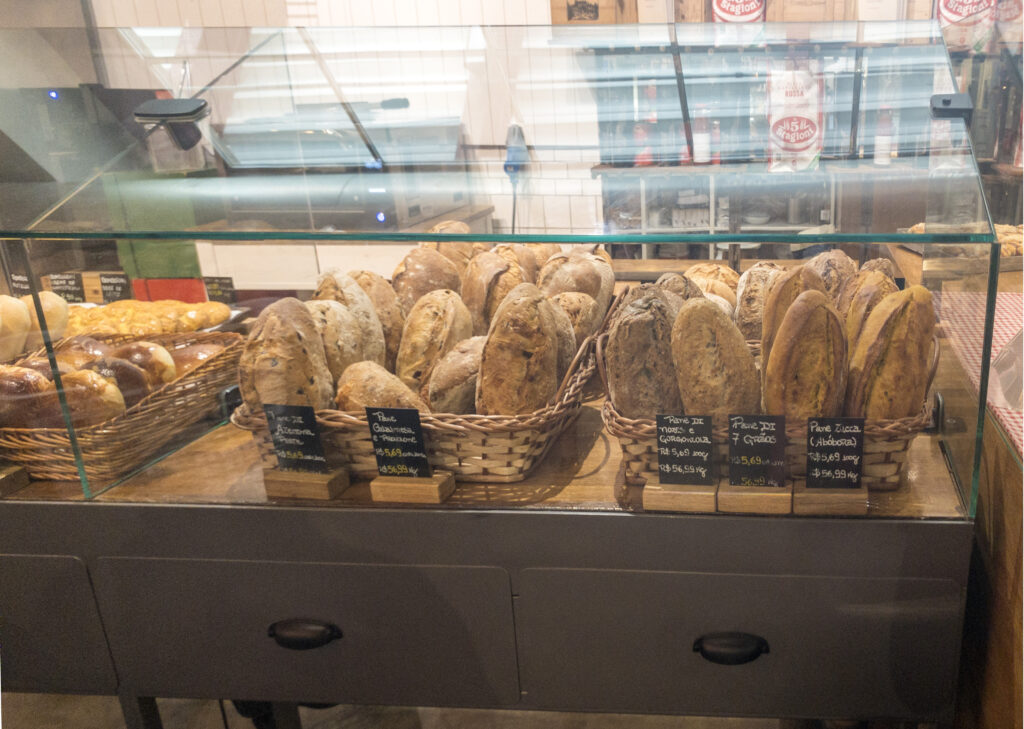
x=837 y=647
x=410 y=634
x=51 y=638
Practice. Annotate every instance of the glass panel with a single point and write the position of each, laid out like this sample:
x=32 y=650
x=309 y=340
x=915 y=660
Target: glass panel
x=327 y=149
x=355 y=132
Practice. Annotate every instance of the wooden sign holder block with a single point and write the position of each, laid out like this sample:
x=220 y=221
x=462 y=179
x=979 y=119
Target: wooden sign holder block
x=692 y=498
x=304 y=484
x=401 y=490
x=755 y=499
x=12 y=478
x=840 y=502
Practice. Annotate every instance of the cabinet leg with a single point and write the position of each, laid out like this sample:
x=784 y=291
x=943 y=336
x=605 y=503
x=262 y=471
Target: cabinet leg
x=286 y=716
x=140 y=712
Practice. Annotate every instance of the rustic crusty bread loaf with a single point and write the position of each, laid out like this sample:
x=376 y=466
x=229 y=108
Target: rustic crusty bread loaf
x=642 y=380
x=672 y=300
x=751 y=294
x=459 y=252
x=805 y=376
x=716 y=272
x=340 y=332
x=592 y=249
x=91 y=399
x=722 y=304
x=389 y=311
x=679 y=284
x=368 y=385
x=437 y=322
x=880 y=264
x=487 y=280
x=542 y=252
x=15 y=322
x=578 y=272
x=863 y=277
x=28 y=399
x=521 y=255
x=452 y=384
x=566 y=339
x=890 y=363
x=716 y=287
x=582 y=312
x=336 y=286
x=423 y=270
x=519 y=365
x=836 y=269
x=865 y=293
x=283 y=360
x=714 y=368
x=782 y=293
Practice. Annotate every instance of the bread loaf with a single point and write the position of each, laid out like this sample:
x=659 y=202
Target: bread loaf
x=15 y=323
x=79 y=350
x=542 y=252
x=335 y=286
x=880 y=264
x=836 y=269
x=154 y=360
x=864 y=293
x=582 y=312
x=679 y=284
x=751 y=293
x=716 y=287
x=782 y=293
x=368 y=385
x=437 y=322
x=42 y=366
x=389 y=311
x=191 y=356
x=452 y=385
x=340 y=333
x=714 y=368
x=642 y=380
x=283 y=360
x=851 y=288
x=671 y=299
x=805 y=375
x=457 y=251
x=566 y=339
x=715 y=272
x=890 y=364
x=421 y=271
x=488 y=279
x=27 y=399
x=91 y=399
x=592 y=249
x=518 y=367
x=580 y=272
x=55 y=313
x=130 y=379
x=522 y=256
x=722 y=304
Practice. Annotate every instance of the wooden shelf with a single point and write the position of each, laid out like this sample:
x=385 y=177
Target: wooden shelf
x=583 y=472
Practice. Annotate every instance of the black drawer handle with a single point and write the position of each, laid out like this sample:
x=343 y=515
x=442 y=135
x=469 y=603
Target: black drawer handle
x=299 y=634
x=730 y=649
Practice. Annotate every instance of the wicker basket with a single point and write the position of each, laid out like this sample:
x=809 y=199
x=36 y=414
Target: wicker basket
x=112 y=449
x=885 y=441
x=486 y=448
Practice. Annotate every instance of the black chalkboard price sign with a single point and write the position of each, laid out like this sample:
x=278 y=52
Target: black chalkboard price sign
x=19 y=284
x=835 y=452
x=115 y=287
x=220 y=288
x=68 y=286
x=757 y=450
x=684 y=450
x=398 y=442
x=296 y=438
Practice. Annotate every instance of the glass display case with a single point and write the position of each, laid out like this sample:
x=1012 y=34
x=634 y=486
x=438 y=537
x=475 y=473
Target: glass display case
x=166 y=186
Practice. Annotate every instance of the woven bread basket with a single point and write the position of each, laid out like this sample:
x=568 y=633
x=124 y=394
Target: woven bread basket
x=112 y=449
x=885 y=441
x=485 y=448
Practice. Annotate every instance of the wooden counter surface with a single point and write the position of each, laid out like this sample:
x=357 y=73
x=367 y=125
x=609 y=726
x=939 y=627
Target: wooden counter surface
x=583 y=471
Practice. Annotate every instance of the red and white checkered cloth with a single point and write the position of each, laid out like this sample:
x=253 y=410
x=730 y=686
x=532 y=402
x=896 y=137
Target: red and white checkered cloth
x=963 y=316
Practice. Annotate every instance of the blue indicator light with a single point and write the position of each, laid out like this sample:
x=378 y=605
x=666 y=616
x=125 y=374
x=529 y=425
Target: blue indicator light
x=381 y=217
x=53 y=94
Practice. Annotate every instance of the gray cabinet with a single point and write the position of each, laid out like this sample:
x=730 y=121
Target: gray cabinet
x=408 y=634
x=51 y=638
x=836 y=647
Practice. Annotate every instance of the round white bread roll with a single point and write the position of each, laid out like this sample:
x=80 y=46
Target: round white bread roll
x=55 y=314
x=15 y=321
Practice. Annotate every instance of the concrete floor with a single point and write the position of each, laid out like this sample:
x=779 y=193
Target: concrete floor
x=50 y=711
